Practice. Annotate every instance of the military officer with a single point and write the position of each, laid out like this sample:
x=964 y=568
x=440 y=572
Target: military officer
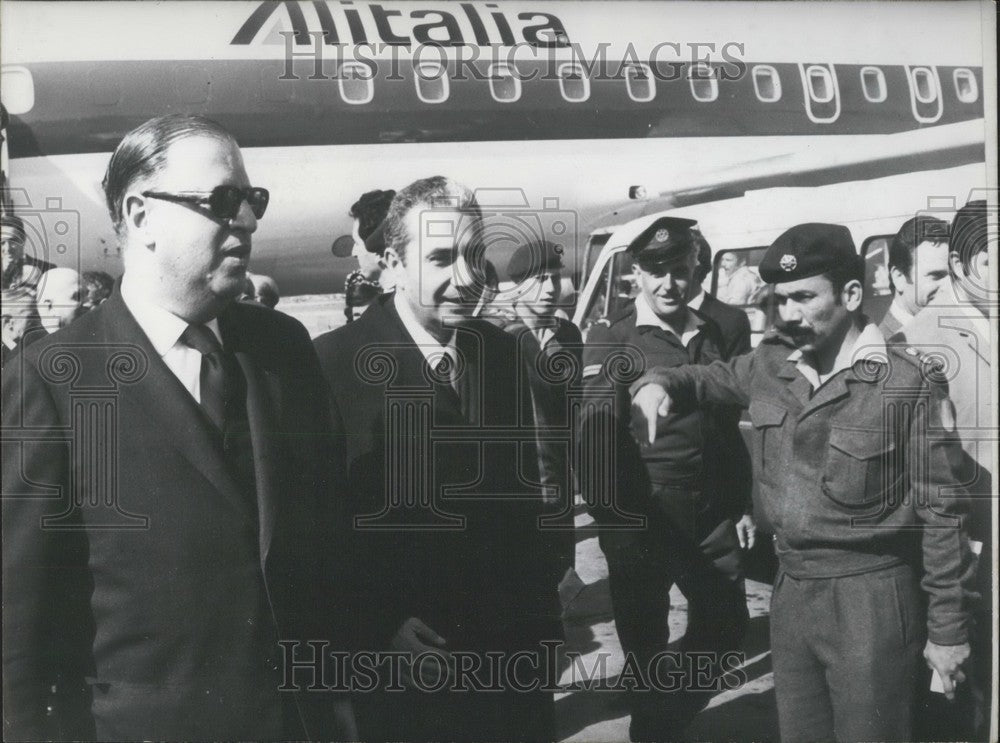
x=678 y=486
x=857 y=480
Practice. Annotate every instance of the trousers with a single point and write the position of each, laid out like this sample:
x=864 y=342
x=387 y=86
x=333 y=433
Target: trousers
x=847 y=652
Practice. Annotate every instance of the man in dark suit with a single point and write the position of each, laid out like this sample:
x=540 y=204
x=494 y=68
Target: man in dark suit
x=552 y=349
x=164 y=474
x=434 y=422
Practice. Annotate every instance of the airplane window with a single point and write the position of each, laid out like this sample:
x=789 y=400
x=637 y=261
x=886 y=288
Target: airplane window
x=873 y=84
x=820 y=84
x=505 y=87
x=357 y=84
x=923 y=85
x=966 y=87
x=432 y=82
x=18 y=90
x=639 y=80
x=575 y=86
x=766 y=83
x=704 y=85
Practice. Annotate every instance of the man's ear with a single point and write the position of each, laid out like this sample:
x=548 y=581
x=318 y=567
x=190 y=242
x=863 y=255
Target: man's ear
x=389 y=259
x=955 y=264
x=898 y=279
x=136 y=218
x=852 y=295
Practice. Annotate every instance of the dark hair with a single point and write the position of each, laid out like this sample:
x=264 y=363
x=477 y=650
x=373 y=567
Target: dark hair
x=98 y=286
x=919 y=229
x=436 y=192
x=142 y=153
x=370 y=210
x=14 y=223
x=969 y=233
x=704 y=250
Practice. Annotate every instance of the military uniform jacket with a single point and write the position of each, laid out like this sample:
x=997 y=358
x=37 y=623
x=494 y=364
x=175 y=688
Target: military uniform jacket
x=944 y=333
x=691 y=446
x=855 y=476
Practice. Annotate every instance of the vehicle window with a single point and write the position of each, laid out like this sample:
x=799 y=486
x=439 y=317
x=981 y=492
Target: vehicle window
x=736 y=280
x=616 y=276
x=878 y=293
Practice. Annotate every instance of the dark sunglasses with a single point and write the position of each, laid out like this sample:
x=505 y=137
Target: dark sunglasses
x=224 y=201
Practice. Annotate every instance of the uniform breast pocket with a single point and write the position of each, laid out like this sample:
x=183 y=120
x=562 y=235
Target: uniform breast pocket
x=861 y=468
x=767 y=419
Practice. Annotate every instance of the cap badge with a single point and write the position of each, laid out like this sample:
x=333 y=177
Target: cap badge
x=788 y=262
x=662 y=235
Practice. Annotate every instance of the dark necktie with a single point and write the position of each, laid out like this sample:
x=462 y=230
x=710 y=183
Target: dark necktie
x=217 y=380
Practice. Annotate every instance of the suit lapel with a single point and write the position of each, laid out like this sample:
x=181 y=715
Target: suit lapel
x=162 y=399
x=263 y=413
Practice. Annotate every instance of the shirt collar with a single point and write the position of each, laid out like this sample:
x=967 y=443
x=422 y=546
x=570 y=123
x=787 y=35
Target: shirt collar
x=644 y=315
x=162 y=327
x=870 y=344
x=426 y=342
x=900 y=313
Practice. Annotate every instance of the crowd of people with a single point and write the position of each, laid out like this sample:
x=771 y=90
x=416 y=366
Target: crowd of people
x=362 y=536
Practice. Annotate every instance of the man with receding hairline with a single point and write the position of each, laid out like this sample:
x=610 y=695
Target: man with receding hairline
x=153 y=596
x=447 y=553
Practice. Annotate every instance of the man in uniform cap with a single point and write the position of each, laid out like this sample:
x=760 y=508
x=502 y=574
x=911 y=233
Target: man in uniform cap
x=551 y=348
x=679 y=486
x=857 y=482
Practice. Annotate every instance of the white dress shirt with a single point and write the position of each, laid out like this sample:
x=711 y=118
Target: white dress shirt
x=164 y=330
x=427 y=343
x=644 y=315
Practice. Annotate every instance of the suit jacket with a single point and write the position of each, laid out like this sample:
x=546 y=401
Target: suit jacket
x=553 y=373
x=733 y=322
x=138 y=576
x=470 y=561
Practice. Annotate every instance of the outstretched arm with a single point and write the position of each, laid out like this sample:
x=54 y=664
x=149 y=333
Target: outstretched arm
x=720 y=383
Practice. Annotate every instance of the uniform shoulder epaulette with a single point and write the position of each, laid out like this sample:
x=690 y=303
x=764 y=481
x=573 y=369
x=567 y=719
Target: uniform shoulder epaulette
x=929 y=365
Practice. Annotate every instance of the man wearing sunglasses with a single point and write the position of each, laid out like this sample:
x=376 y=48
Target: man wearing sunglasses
x=153 y=594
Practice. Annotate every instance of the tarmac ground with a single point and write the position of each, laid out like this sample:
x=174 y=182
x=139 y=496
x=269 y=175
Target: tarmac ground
x=587 y=712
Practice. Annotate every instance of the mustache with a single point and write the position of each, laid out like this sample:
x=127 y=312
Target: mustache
x=794 y=331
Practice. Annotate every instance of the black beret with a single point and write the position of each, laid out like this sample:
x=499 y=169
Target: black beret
x=807 y=250
x=534 y=258
x=667 y=239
